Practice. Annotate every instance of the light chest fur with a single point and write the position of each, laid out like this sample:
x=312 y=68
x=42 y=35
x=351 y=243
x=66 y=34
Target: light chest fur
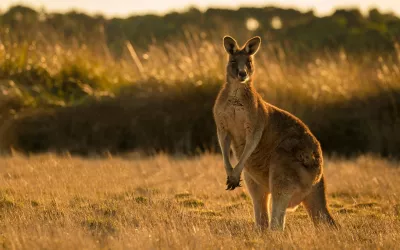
x=232 y=112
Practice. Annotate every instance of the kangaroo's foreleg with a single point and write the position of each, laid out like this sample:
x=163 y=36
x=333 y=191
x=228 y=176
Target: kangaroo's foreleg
x=224 y=140
x=253 y=137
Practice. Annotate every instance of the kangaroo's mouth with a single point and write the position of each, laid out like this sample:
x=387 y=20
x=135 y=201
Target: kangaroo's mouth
x=243 y=79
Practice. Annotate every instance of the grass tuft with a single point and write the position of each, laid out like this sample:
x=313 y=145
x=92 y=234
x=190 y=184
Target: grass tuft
x=183 y=195
x=141 y=200
x=7 y=203
x=99 y=225
x=193 y=203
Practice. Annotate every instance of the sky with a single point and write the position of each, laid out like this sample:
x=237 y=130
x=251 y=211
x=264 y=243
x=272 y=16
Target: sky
x=123 y=8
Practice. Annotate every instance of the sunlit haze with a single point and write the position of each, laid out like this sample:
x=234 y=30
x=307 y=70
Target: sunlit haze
x=128 y=7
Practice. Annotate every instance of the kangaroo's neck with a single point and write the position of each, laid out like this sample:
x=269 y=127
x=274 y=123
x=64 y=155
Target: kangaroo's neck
x=233 y=86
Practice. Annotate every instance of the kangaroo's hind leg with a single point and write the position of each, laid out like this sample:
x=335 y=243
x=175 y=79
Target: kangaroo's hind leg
x=284 y=184
x=280 y=201
x=315 y=204
x=259 y=195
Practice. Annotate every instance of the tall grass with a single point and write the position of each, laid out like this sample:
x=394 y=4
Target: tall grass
x=161 y=98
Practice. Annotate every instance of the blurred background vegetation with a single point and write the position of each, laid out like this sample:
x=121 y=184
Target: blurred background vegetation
x=70 y=82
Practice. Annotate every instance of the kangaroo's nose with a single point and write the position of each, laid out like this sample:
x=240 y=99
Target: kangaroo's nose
x=242 y=73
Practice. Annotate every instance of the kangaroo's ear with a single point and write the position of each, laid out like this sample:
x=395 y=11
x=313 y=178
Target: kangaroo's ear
x=252 y=45
x=230 y=45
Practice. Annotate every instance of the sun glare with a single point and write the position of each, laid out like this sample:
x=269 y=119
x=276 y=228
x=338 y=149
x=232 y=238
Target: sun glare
x=252 y=24
x=276 y=23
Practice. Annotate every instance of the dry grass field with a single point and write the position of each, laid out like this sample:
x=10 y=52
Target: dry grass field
x=162 y=202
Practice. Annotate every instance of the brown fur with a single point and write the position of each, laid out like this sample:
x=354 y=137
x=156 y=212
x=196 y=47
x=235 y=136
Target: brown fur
x=281 y=159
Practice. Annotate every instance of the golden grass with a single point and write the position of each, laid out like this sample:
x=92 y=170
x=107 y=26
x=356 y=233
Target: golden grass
x=282 y=76
x=52 y=202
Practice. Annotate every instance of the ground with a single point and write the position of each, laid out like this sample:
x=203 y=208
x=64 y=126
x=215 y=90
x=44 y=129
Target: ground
x=161 y=202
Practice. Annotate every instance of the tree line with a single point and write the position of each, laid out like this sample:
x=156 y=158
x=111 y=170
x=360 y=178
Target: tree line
x=299 y=31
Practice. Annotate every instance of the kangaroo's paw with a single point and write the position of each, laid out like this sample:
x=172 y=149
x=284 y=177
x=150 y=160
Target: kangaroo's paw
x=232 y=182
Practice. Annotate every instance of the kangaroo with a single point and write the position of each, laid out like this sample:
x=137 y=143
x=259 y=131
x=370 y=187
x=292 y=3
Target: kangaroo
x=281 y=159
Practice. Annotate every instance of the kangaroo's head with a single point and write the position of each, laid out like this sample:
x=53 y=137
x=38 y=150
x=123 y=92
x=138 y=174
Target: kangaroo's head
x=240 y=66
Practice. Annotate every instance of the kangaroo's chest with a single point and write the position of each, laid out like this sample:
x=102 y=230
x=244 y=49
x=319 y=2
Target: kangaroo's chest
x=234 y=114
